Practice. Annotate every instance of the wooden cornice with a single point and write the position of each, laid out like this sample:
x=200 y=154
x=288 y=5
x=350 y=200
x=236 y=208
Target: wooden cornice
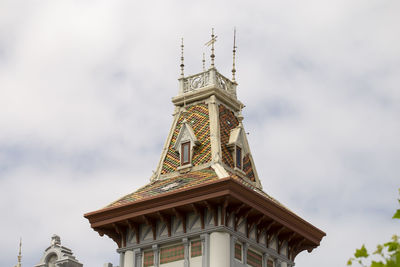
x=182 y=216
x=134 y=227
x=167 y=220
x=200 y=212
x=242 y=201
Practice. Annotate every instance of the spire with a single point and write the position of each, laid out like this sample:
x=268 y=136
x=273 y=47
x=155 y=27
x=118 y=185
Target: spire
x=234 y=55
x=182 y=65
x=211 y=42
x=204 y=62
x=19 y=254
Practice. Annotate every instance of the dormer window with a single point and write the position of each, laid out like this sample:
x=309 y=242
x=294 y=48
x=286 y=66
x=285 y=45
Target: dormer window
x=185 y=153
x=185 y=142
x=237 y=145
x=238 y=158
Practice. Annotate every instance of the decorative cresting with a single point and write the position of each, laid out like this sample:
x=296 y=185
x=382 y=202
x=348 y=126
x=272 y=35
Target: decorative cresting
x=208 y=79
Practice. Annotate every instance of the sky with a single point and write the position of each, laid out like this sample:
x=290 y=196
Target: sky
x=85 y=108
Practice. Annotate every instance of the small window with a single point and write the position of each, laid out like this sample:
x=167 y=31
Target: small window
x=254 y=259
x=238 y=157
x=173 y=253
x=270 y=263
x=148 y=258
x=185 y=153
x=195 y=248
x=238 y=251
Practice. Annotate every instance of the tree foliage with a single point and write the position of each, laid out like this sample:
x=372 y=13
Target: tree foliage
x=388 y=253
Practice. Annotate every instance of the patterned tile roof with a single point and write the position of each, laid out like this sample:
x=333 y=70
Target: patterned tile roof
x=183 y=181
x=198 y=118
x=227 y=121
x=248 y=168
x=261 y=192
x=163 y=186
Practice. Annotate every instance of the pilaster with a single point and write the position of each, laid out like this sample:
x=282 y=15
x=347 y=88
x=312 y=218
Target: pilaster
x=138 y=257
x=185 y=242
x=205 y=248
x=245 y=247
x=156 y=251
x=214 y=129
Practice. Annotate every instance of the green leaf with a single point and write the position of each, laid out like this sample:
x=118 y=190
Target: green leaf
x=378 y=250
x=361 y=253
x=349 y=262
x=396 y=215
x=392 y=246
x=377 y=264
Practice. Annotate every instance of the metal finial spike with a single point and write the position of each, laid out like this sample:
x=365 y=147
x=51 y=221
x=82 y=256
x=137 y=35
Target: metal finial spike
x=234 y=55
x=204 y=62
x=182 y=65
x=19 y=253
x=211 y=42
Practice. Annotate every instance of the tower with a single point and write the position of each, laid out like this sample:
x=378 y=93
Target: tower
x=204 y=205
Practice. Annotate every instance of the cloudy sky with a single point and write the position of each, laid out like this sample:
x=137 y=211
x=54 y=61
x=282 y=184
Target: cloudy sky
x=85 y=89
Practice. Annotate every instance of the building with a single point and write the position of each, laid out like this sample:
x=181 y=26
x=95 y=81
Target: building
x=204 y=205
x=57 y=255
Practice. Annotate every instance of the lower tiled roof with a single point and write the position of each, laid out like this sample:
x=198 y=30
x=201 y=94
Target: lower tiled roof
x=171 y=184
x=186 y=180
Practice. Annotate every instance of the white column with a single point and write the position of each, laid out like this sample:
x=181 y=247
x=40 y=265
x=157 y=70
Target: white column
x=129 y=257
x=219 y=249
x=121 y=259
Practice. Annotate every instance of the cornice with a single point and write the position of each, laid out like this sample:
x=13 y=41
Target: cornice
x=206 y=92
x=225 y=187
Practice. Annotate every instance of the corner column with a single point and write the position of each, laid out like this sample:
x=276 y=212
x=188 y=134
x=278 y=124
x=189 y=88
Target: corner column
x=121 y=259
x=129 y=258
x=219 y=249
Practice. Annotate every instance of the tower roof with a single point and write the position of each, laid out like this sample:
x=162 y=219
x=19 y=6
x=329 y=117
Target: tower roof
x=206 y=162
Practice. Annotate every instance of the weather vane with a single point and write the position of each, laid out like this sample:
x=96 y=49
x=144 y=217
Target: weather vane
x=211 y=42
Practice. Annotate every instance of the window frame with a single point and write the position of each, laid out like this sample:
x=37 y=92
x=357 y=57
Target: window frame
x=240 y=249
x=183 y=145
x=238 y=157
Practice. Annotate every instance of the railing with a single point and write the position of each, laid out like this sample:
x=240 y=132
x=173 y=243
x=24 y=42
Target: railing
x=207 y=78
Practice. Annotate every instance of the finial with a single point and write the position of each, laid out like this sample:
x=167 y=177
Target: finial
x=19 y=254
x=204 y=62
x=182 y=65
x=234 y=55
x=211 y=42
